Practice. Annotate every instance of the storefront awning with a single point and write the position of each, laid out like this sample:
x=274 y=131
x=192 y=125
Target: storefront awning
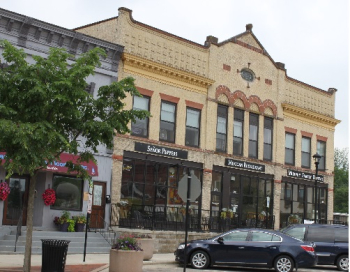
x=60 y=166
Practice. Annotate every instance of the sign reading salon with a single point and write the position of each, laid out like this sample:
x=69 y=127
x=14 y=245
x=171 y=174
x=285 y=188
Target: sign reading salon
x=161 y=150
x=245 y=165
x=304 y=175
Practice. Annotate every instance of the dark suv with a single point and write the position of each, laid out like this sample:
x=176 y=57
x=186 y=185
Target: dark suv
x=332 y=242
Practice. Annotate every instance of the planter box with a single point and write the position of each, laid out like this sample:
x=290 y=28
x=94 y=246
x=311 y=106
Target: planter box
x=147 y=245
x=64 y=227
x=79 y=227
x=125 y=260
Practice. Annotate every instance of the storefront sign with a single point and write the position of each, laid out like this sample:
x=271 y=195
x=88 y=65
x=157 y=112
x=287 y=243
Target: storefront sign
x=245 y=165
x=161 y=150
x=60 y=165
x=304 y=175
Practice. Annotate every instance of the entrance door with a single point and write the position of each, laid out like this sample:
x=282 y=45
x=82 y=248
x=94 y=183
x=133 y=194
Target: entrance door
x=98 y=205
x=16 y=202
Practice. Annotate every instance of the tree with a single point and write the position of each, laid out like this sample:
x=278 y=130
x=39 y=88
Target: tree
x=45 y=111
x=341 y=180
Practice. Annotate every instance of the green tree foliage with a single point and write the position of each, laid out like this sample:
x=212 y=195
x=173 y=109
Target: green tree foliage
x=45 y=111
x=341 y=180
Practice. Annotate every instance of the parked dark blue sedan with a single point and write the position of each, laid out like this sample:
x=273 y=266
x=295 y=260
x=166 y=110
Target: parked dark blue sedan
x=250 y=248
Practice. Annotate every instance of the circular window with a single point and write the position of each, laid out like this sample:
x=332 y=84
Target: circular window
x=247 y=75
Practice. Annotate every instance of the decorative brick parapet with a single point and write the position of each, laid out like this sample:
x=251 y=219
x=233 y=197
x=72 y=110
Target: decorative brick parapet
x=262 y=105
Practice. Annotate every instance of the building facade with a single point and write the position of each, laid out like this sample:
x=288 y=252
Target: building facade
x=72 y=194
x=227 y=116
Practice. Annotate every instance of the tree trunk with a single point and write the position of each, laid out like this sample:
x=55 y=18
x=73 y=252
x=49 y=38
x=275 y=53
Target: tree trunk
x=30 y=211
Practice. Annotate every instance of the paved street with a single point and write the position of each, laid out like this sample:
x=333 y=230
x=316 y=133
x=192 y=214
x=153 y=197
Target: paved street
x=176 y=268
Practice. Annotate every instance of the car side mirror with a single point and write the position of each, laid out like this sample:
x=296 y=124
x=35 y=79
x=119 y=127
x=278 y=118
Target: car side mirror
x=220 y=240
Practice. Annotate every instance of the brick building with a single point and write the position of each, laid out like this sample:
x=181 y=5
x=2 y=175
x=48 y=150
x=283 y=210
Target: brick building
x=226 y=114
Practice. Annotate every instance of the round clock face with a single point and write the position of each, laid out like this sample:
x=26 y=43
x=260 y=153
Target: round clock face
x=247 y=75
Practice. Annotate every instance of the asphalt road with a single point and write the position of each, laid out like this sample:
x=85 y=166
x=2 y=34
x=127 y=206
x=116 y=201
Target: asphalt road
x=177 y=268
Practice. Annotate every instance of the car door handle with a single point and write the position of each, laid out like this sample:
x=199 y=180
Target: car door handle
x=240 y=247
x=271 y=247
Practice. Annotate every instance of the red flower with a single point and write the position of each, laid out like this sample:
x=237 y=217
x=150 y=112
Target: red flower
x=49 y=197
x=4 y=190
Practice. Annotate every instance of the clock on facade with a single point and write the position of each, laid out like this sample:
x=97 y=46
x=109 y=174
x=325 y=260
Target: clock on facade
x=247 y=75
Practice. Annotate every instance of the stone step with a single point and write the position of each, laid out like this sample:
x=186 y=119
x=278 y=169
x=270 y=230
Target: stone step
x=38 y=250
x=96 y=243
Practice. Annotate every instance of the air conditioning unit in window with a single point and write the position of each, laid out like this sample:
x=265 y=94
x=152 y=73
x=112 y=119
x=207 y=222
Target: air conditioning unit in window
x=163 y=135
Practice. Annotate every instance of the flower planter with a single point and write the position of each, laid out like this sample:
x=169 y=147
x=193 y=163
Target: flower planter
x=125 y=260
x=147 y=246
x=64 y=227
x=79 y=227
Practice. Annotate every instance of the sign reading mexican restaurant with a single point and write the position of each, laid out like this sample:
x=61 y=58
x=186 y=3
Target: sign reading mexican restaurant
x=304 y=175
x=60 y=165
x=245 y=165
x=161 y=150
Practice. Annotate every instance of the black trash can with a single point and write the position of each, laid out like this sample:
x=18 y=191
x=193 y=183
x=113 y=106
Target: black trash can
x=54 y=253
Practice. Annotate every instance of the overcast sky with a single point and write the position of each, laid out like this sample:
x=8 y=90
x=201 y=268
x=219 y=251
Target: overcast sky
x=310 y=36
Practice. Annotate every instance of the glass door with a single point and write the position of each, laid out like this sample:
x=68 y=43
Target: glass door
x=16 y=203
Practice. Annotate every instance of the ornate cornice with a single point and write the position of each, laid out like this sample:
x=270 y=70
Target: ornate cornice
x=310 y=117
x=165 y=74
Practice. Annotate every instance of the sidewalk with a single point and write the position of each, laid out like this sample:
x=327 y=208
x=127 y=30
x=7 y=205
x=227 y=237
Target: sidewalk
x=75 y=263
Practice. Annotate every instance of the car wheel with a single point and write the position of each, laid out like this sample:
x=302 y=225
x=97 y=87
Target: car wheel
x=284 y=264
x=200 y=260
x=343 y=263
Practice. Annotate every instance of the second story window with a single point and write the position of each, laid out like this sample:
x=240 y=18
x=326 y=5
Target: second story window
x=167 y=122
x=253 y=135
x=268 y=128
x=140 y=127
x=305 y=152
x=192 y=127
x=238 y=122
x=290 y=149
x=221 y=129
x=321 y=150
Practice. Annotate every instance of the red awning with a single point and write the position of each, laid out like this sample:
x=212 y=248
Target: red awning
x=60 y=166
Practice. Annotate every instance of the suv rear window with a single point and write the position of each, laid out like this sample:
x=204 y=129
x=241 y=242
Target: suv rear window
x=341 y=235
x=319 y=234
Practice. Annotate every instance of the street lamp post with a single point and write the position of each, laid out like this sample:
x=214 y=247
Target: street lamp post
x=317 y=158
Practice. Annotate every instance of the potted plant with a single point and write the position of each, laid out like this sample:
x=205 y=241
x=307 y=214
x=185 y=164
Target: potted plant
x=223 y=213
x=126 y=255
x=146 y=242
x=80 y=222
x=71 y=225
x=62 y=221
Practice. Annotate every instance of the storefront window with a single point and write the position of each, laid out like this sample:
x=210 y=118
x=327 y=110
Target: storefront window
x=298 y=203
x=152 y=184
x=69 y=191
x=216 y=187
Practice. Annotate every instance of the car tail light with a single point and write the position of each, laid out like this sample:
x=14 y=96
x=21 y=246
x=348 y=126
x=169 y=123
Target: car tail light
x=308 y=248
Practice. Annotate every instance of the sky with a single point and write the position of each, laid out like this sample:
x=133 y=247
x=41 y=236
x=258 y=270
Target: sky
x=311 y=37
